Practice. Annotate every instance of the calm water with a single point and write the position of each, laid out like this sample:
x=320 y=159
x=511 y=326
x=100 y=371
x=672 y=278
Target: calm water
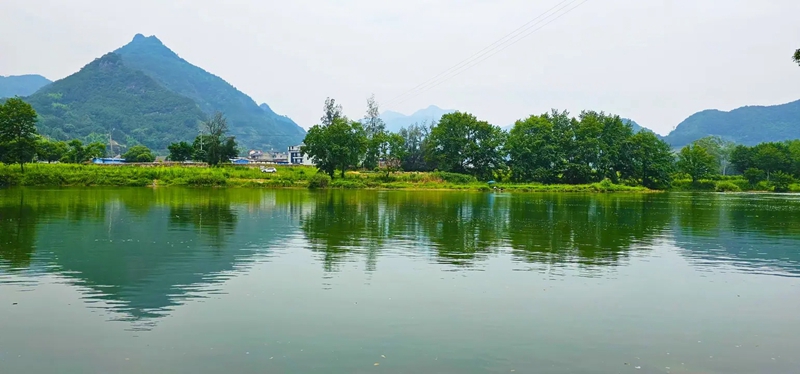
x=249 y=281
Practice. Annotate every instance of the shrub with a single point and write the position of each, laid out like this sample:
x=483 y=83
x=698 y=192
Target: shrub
x=781 y=181
x=319 y=180
x=727 y=186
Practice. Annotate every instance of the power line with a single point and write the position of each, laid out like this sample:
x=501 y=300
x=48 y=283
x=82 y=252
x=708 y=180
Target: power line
x=527 y=24
x=490 y=50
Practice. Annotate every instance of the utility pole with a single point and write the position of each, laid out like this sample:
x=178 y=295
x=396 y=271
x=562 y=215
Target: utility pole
x=111 y=143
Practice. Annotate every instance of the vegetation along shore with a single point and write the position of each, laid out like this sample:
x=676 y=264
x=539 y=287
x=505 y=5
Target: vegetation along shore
x=594 y=152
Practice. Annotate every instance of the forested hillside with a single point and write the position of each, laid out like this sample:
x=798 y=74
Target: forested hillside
x=748 y=125
x=106 y=94
x=253 y=126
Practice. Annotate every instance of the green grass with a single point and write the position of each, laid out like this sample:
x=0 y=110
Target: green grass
x=58 y=175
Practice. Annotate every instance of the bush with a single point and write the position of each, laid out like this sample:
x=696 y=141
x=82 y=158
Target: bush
x=455 y=177
x=781 y=181
x=319 y=180
x=726 y=186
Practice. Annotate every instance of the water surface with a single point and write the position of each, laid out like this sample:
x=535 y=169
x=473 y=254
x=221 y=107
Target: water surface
x=251 y=281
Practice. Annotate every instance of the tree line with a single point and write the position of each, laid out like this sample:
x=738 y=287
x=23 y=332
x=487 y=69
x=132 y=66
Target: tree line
x=20 y=142
x=548 y=148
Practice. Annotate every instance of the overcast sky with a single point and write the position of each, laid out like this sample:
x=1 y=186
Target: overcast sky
x=654 y=61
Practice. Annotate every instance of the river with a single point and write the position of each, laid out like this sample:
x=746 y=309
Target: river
x=172 y=280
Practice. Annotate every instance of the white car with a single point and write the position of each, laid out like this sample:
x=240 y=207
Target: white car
x=269 y=170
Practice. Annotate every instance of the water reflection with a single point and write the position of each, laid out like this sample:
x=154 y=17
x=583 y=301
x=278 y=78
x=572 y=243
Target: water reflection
x=141 y=252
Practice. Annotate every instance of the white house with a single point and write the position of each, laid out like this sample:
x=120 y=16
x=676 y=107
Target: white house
x=296 y=157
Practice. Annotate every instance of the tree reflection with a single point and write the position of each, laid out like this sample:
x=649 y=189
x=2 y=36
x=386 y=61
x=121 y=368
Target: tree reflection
x=17 y=233
x=596 y=230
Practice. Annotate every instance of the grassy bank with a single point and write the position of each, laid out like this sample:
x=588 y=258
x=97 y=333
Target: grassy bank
x=726 y=184
x=63 y=175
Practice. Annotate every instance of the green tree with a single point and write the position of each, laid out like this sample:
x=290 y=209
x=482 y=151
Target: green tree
x=215 y=129
x=650 y=160
x=697 y=162
x=463 y=144
x=781 y=181
x=753 y=176
x=230 y=149
x=772 y=157
x=415 y=139
x=796 y=56
x=180 y=152
x=139 y=153
x=18 y=131
x=78 y=153
x=340 y=145
x=375 y=130
x=332 y=111
x=532 y=150
x=720 y=148
x=391 y=150
x=50 y=150
x=614 y=136
x=742 y=158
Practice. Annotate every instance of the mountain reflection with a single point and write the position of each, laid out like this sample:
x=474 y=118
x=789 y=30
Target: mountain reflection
x=141 y=252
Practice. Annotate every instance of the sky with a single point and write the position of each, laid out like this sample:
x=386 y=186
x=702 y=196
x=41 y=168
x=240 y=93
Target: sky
x=654 y=61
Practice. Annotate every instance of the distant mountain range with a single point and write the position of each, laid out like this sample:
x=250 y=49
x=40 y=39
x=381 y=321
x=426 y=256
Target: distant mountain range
x=21 y=85
x=148 y=95
x=748 y=125
x=395 y=121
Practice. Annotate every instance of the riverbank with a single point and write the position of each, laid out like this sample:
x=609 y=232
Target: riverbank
x=71 y=175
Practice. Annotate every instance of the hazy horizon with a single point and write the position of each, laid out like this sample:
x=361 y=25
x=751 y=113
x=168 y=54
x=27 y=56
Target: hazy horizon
x=654 y=63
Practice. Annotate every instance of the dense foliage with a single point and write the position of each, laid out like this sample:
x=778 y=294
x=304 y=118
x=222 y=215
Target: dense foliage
x=253 y=126
x=550 y=148
x=21 y=85
x=796 y=56
x=17 y=132
x=748 y=125
x=139 y=153
x=107 y=97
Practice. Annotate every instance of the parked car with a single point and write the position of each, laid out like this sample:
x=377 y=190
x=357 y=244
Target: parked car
x=269 y=170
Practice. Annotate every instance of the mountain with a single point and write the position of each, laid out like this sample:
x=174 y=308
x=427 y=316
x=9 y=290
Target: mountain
x=106 y=94
x=395 y=121
x=252 y=126
x=637 y=127
x=748 y=125
x=21 y=85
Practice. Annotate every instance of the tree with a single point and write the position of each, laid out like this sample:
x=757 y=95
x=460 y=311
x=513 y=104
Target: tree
x=215 y=128
x=720 y=148
x=697 y=162
x=230 y=149
x=781 y=181
x=650 y=160
x=796 y=56
x=77 y=153
x=415 y=140
x=340 y=145
x=139 y=153
x=332 y=112
x=462 y=144
x=742 y=158
x=180 y=152
x=49 y=150
x=18 y=131
x=753 y=176
x=391 y=150
x=532 y=150
x=375 y=129
x=772 y=157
